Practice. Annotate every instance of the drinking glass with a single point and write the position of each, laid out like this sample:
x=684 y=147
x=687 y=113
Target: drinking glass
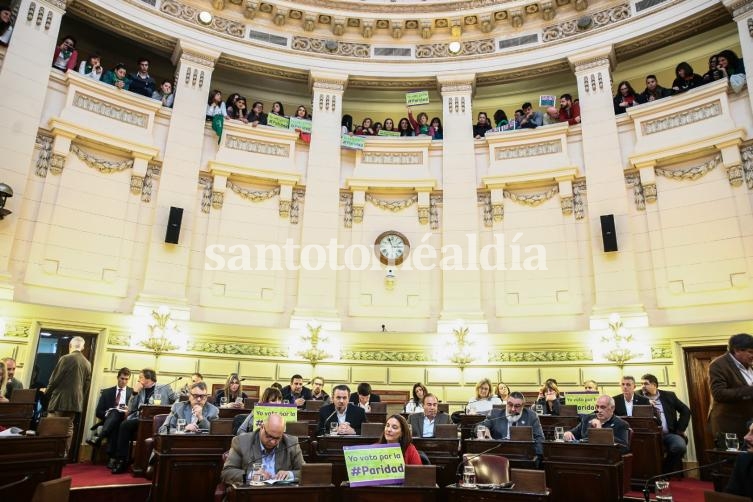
x=539 y=409
x=732 y=442
x=181 y=426
x=469 y=476
x=285 y=401
x=559 y=434
x=257 y=478
x=157 y=401
x=223 y=402
x=333 y=428
x=481 y=432
x=663 y=493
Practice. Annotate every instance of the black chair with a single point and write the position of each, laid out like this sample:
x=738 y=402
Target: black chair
x=424 y=458
x=238 y=421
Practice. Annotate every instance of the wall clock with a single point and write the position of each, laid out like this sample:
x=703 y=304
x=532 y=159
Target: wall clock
x=391 y=247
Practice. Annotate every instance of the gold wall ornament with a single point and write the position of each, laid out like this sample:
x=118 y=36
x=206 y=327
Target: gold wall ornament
x=218 y=198
x=253 y=195
x=284 y=208
x=532 y=199
x=315 y=346
x=57 y=163
x=162 y=334
x=618 y=342
x=394 y=205
x=460 y=348
x=137 y=184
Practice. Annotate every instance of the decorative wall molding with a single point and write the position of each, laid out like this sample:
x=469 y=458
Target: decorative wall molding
x=346 y=200
x=247 y=145
x=101 y=165
x=44 y=143
x=661 y=352
x=253 y=195
x=57 y=163
x=190 y=14
x=319 y=46
x=118 y=339
x=633 y=180
x=398 y=158
x=435 y=200
x=530 y=150
x=740 y=8
x=244 y=349
x=747 y=155
x=299 y=195
x=394 y=205
x=579 y=198
x=152 y=171
x=532 y=199
x=197 y=58
x=106 y=109
x=383 y=356
x=599 y=19
x=206 y=183
x=484 y=199
x=16 y=329
x=540 y=356
x=681 y=118
x=689 y=173
x=442 y=50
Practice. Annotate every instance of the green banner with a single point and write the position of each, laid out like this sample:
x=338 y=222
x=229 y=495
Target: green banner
x=382 y=132
x=353 y=142
x=586 y=401
x=278 y=121
x=261 y=411
x=375 y=464
x=302 y=124
x=417 y=98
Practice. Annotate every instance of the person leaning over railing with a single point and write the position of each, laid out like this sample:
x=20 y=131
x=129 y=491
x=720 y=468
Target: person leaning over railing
x=6 y=24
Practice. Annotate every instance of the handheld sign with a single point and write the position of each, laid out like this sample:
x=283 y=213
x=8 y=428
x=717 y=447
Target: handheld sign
x=417 y=98
x=547 y=100
x=382 y=132
x=376 y=464
x=586 y=401
x=278 y=121
x=299 y=123
x=289 y=412
x=353 y=142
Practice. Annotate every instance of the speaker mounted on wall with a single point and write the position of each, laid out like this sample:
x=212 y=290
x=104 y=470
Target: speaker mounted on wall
x=173 y=225
x=608 y=233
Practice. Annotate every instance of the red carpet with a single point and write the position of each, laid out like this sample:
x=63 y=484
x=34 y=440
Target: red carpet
x=683 y=490
x=98 y=475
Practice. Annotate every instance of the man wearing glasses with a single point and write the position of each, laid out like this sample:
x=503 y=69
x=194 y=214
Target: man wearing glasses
x=603 y=418
x=514 y=415
x=279 y=453
x=197 y=412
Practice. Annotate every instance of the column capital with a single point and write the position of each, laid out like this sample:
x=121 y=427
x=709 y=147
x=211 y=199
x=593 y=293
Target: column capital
x=594 y=58
x=60 y=4
x=457 y=83
x=739 y=8
x=194 y=53
x=331 y=81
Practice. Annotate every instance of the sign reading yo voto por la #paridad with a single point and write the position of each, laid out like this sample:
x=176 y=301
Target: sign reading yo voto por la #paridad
x=377 y=464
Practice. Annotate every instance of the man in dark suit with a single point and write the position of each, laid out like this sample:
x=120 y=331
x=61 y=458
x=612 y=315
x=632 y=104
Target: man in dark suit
x=296 y=393
x=348 y=417
x=422 y=424
x=515 y=414
x=623 y=404
x=674 y=416
x=112 y=409
x=68 y=385
x=602 y=419
x=363 y=398
x=731 y=382
x=741 y=481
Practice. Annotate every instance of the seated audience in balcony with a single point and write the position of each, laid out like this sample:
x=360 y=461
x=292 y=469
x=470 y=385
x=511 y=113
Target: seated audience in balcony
x=713 y=73
x=482 y=125
x=257 y=116
x=365 y=129
x=389 y=125
x=6 y=25
x=117 y=77
x=377 y=128
x=569 y=110
x=404 y=127
x=653 y=90
x=531 y=119
x=92 y=67
x=346 y=124
x=66 y=55
x=500 y=120
x=302 y=113
x=141 y=82
x=165 y=94
x=625 y=97
x=732 y=68
x=552 y=116
x=421 y=127
x=686 y=79
x=277 y=109
x=438 y=130
x=216 y=111
x=238 y=111
x=230 y=103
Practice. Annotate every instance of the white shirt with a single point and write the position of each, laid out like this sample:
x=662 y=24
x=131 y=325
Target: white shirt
x=629 y=405
x=747 y=373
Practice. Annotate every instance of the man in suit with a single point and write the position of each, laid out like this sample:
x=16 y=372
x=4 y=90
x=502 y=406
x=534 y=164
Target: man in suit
x=363 y=397
x=68 y=385
x=422 y=424
x=674 y=416
x=279 y=453
x=515 y=414
x=731 y=382
x=348 y=416
x=623 y=404
x=111 y=410
x=197 y=412
x=146 y=391
x=12 y=384
x=603 y=418
x=296 y=393
x=741 y=481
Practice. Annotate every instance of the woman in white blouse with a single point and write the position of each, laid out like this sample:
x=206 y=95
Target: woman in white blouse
x=484 y=401
x=415 y=405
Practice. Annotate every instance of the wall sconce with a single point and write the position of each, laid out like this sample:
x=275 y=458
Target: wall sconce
x=618 y=343
x=5 y=192
x=315 y=346
x=205 y=17
x=162 y=334
x=389 y=279
x=461 y=348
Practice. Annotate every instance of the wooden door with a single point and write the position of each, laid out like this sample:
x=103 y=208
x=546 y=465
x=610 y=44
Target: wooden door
x=697 y=360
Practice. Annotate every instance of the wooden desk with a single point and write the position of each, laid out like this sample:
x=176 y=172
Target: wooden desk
x=39 y=458
x=146 y=419
x=468 y=423
x=549 y=422
x=521 y=454
x=313 y=416
x=720 y=474
x=583 y=472
x=188 y=465
x=442 y=452
x=460 y=494
x=392 y=493
x=16 y=415
x=647 y=448
x=233 y=412
x=294 y=493
x=329 y=449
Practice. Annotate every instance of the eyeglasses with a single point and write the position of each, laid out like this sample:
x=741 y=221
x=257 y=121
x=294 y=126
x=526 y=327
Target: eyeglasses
x=199 y=396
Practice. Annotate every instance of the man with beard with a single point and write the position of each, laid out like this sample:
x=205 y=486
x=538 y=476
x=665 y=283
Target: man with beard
x=602 y=419
x=515 y=415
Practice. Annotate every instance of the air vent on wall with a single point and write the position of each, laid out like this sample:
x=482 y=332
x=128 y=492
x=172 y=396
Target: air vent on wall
x=646 y=4
x=266 y=37
x=395 y=52
x=515 y=42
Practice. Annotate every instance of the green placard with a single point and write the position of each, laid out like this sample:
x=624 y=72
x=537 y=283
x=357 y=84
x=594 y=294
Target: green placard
x=382 y=132
x=353 y=142
x=586 y=401
x=376 y=464
x=417 y=98
x=278 y=121
x=261 y=411
x=302 y=124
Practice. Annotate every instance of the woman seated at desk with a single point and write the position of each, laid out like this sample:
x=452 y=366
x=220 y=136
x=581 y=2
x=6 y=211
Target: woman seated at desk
x=550 y=401
x=231 y=393
x=271 y=395
x=484 y=401
x=415 y=405
x=396 y=431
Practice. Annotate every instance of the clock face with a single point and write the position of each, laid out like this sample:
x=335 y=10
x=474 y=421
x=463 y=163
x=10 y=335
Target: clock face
x=392 y=247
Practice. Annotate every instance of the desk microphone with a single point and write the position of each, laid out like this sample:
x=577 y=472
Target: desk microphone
x=646 y=492
x=302 y=439
x=173 y=381
x=323 y=430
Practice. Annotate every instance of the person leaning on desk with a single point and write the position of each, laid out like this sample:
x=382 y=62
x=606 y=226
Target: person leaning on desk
x=603 y=418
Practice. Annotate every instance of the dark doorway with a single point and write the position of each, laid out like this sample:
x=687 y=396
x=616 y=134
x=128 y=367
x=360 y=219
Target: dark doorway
x=53 y=344
x=697 y=360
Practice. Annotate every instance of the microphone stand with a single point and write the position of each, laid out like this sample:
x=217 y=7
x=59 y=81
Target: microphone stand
x=466 y=459
x=647 y=492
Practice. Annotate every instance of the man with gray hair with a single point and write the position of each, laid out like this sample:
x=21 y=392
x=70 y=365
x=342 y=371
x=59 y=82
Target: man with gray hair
x=68 y=385
x=602 y=419
x=196 y=412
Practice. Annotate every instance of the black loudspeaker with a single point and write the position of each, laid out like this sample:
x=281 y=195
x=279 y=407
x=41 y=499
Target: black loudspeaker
x=173 y=225
x=608 y=233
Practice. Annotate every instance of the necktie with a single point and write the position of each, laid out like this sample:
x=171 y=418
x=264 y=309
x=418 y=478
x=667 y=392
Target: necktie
x=117 y=397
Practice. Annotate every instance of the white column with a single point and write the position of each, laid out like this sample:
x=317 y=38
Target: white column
x=24 y=80
x=317 y=289
x=461 y=287
x=166 y=275
x=742 y=13
x=615 y=275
